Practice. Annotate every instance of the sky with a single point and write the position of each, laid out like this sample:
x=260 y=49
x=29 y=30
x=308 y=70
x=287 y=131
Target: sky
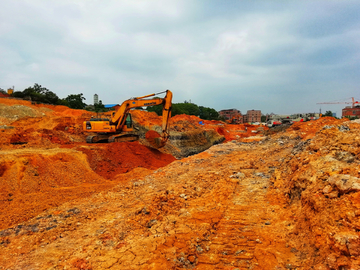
x=275 y=56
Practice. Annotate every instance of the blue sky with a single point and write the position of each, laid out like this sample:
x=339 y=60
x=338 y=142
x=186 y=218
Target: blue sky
x=276 y=56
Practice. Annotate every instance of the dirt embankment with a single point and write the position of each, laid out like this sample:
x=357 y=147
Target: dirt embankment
x=35 y=180
x=321 y=180
x=109 y=160
x=32 y=180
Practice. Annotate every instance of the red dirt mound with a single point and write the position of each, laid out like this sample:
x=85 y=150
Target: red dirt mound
x=154 y=139
x=151 y=135
x=307 y=130
x=109 y=160
x=35 y=180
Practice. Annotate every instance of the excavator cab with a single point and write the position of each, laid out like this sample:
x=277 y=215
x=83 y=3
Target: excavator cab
x=128 y=124
x=128 y=121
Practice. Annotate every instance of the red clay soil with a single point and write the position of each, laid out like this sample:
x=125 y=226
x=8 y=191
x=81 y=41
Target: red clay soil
x=34 y=180
x=151 y=135
x=276 y=204
x=307 y=130
x=145 y=118
x=154 y=139
x=109 y=160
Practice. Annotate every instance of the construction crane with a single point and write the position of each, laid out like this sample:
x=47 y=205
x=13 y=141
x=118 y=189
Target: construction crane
x=353 y=102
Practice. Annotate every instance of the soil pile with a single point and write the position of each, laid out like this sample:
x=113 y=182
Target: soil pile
x=109 y=160
x=12 y=113
x=34 y=180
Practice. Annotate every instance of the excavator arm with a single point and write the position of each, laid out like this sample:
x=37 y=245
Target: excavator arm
x=121 y=114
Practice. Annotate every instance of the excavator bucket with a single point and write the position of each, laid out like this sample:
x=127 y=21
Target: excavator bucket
x=154 y=139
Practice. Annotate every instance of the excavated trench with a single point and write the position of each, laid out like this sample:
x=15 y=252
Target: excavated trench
x=184 y=144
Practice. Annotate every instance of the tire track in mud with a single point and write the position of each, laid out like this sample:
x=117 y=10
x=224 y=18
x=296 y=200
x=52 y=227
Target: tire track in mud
x=250 y=229
x=236 y=236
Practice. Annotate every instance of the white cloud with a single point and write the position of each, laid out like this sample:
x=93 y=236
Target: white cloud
x=219 y=54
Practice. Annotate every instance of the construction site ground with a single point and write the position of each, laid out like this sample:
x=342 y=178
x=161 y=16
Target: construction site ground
x=218 y=196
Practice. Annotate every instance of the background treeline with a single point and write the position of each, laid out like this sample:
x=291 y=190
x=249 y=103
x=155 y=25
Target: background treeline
x=189 y=109
x=40 y=94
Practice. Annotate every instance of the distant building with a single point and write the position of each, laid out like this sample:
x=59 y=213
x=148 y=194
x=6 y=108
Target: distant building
x=232 y=115
x=112 y=106
x=245 y=118
x=229 y=113
x=96 y=99
x=294 y=117
x=351 y=112
x=235 y=116
x=253 y=116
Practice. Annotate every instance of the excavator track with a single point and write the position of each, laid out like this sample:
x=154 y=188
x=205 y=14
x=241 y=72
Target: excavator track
x=97 y=138
x=123 y=138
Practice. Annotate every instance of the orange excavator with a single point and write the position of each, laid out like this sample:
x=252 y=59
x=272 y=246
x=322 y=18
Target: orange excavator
x=120 y=129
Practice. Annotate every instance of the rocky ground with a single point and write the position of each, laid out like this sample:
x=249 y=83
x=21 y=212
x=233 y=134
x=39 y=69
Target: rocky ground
x=287 y=200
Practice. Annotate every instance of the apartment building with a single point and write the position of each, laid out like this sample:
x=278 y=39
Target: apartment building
x=351 y=111
x=253 y=116
x=232 y=114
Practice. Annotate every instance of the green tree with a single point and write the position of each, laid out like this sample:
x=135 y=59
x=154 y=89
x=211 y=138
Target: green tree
x=157 y=109
x=208 y=113
x=99 y=107
x=328 y=113
x=75 y=101
x=189 y=109
x=51 y=97
x=38 y=93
